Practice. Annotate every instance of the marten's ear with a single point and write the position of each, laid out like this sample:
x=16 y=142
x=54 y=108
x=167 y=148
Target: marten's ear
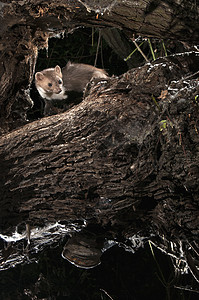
x=39 y=76
x=58 y=70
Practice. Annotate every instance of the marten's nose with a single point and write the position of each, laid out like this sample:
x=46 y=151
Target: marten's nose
x=58 y=91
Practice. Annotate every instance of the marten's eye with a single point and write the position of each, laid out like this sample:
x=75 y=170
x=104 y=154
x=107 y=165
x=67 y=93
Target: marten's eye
x=49 y=84
x=60 y=82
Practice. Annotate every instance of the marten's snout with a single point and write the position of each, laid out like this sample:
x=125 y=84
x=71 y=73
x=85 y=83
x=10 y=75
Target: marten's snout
x=58 y=90
x=58 y=86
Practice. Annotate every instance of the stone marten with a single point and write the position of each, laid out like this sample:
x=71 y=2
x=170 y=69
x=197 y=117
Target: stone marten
x=54 y=83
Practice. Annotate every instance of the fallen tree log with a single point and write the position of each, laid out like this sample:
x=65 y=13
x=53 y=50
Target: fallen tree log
x=124 y=163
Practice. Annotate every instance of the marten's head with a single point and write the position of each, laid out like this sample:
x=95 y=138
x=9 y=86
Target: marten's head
x=49 y=83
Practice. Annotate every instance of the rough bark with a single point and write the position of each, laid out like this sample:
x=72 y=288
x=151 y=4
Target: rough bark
x=124 y=162
x=121 y=162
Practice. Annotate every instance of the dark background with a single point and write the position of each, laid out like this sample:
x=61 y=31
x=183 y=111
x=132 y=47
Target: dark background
x=123 y=275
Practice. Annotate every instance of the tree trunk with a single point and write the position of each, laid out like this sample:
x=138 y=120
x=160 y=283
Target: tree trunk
x=124 y=162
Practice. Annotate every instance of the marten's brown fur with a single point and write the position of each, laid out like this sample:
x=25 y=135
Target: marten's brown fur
x=76 y=76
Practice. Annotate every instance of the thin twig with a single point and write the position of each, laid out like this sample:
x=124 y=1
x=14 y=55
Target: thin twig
x=151 y=48
x=185 y=289
x=139 y=49
x=98 y=45
x=106 y=294
x=102 y=60
x=129 y=56
x=164 y=47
